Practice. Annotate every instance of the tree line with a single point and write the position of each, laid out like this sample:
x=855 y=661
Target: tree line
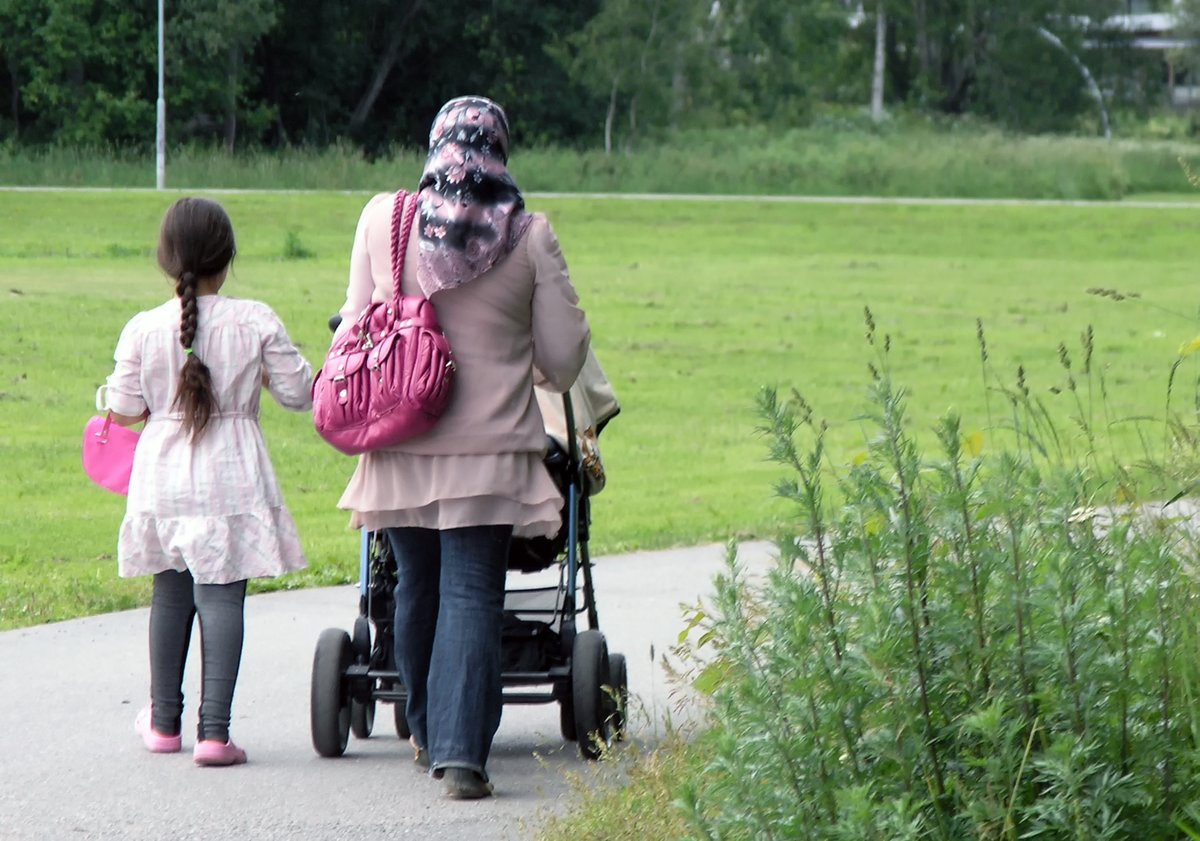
x=275 y=73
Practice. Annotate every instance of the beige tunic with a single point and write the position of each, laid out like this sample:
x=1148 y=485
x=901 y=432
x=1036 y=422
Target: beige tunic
x=518 y=324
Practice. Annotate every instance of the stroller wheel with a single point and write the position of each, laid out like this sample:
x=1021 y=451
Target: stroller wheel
x=617 y=694
x=589 y=672
x=566 y=716
x=362 y=639
x=362 y=718
x=401 y=720
x=330 y=699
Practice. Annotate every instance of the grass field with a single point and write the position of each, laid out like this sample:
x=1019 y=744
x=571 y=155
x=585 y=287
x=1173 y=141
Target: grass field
x=904 y=157
x=694 y=306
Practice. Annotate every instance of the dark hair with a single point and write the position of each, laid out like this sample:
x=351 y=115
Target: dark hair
x=195 y=243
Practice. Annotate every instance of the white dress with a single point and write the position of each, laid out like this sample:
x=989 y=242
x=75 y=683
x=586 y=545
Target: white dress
x=214 y=506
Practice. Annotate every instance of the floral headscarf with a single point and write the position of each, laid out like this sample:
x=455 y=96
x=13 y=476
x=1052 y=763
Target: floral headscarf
x=472 y=213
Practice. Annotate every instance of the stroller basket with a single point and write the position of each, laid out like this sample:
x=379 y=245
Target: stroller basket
x=532 y=632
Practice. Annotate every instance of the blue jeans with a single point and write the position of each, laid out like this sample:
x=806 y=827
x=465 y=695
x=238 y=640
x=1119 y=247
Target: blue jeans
x=449 y=615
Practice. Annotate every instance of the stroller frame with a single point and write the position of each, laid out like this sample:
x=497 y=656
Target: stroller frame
x=545 y=657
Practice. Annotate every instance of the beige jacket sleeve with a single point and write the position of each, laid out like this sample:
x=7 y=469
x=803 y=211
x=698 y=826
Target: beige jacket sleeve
x=560 y=329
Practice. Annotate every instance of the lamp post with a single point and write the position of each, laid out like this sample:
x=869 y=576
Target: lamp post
x=160 y=134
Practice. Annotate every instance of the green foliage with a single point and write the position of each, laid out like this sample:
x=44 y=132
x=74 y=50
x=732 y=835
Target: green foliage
x=77 y=71
x=310 y=73
x=839 y=156
x=294 y=248
x=1187 y=59
x=632 y=798
x=1028 y=84
x=622 y=56
x=418 y=56
x=960 y=641
x=212 y=70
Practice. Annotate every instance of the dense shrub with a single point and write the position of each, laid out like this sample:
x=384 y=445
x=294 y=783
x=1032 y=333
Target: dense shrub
x=968 y=643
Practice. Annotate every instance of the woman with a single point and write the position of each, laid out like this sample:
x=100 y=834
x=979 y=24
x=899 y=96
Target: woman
x=450 y=500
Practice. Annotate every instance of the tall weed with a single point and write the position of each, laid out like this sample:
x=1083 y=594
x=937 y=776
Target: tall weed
x=825 y=160
x=971 y=642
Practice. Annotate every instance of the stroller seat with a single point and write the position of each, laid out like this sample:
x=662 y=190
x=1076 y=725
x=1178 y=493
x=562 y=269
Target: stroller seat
x=533 y=554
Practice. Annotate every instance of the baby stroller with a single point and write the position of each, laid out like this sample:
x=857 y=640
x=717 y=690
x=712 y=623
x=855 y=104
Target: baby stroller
x=546 y=656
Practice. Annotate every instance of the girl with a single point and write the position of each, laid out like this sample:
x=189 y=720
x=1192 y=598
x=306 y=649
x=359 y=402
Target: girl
x=204 y=512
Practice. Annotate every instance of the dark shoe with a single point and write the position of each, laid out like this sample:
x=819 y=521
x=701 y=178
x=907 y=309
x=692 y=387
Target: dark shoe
x=465 y=784
x=420 y=755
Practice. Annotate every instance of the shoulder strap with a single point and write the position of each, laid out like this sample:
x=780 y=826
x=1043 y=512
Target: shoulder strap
x=401 y=228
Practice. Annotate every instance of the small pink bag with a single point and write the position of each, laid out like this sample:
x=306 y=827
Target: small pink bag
x=388 y=377
x=108 y=453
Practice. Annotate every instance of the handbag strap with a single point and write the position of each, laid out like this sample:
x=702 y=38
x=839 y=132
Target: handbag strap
x=401 y=228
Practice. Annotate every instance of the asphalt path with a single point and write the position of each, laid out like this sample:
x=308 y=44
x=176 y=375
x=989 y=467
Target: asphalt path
x=71 y=766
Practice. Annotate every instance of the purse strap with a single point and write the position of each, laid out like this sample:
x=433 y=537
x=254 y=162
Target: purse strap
x=401 y=228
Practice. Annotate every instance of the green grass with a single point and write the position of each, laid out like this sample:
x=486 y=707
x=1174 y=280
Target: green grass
x=694 y=306
x=903 y=158
x=631 y=799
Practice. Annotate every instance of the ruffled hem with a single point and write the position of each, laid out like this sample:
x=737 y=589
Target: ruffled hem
x=214 y=549
x=542 y=520
x=394 y=489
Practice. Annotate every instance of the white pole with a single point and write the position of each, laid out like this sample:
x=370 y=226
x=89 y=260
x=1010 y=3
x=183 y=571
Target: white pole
x=160 y=135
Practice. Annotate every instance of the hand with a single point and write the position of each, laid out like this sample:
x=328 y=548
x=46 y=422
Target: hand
x=130 y=420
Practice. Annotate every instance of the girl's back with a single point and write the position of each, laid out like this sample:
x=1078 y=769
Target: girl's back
x=209 y=503
x=237 y=339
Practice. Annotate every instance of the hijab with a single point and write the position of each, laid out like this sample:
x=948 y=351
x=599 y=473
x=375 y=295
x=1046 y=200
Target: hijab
x=471 y=212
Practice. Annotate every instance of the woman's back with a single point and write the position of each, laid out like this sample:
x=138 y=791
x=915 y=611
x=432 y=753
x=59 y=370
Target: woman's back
x=520 y=316
x=450 y=500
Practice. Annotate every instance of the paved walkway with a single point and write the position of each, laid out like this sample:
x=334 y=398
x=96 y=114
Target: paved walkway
x=71 y=767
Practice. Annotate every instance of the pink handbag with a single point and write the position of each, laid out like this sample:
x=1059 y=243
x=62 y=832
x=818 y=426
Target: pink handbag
x=388 y=377
x=108 y=453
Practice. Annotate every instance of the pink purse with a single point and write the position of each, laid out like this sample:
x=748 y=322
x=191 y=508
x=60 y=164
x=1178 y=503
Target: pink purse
x=108 y=453
x=388 y=377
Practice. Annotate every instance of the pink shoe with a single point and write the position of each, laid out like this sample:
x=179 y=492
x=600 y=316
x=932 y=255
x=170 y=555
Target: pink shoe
x=155 y=742
x=210 y=752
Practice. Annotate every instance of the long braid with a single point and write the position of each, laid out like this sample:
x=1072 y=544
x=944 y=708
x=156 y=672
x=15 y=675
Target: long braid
x=195 y=397
x=185 y=289
x=196 y=242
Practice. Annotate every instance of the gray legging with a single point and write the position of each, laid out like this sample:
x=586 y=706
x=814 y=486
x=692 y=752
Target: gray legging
x=177 y=600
